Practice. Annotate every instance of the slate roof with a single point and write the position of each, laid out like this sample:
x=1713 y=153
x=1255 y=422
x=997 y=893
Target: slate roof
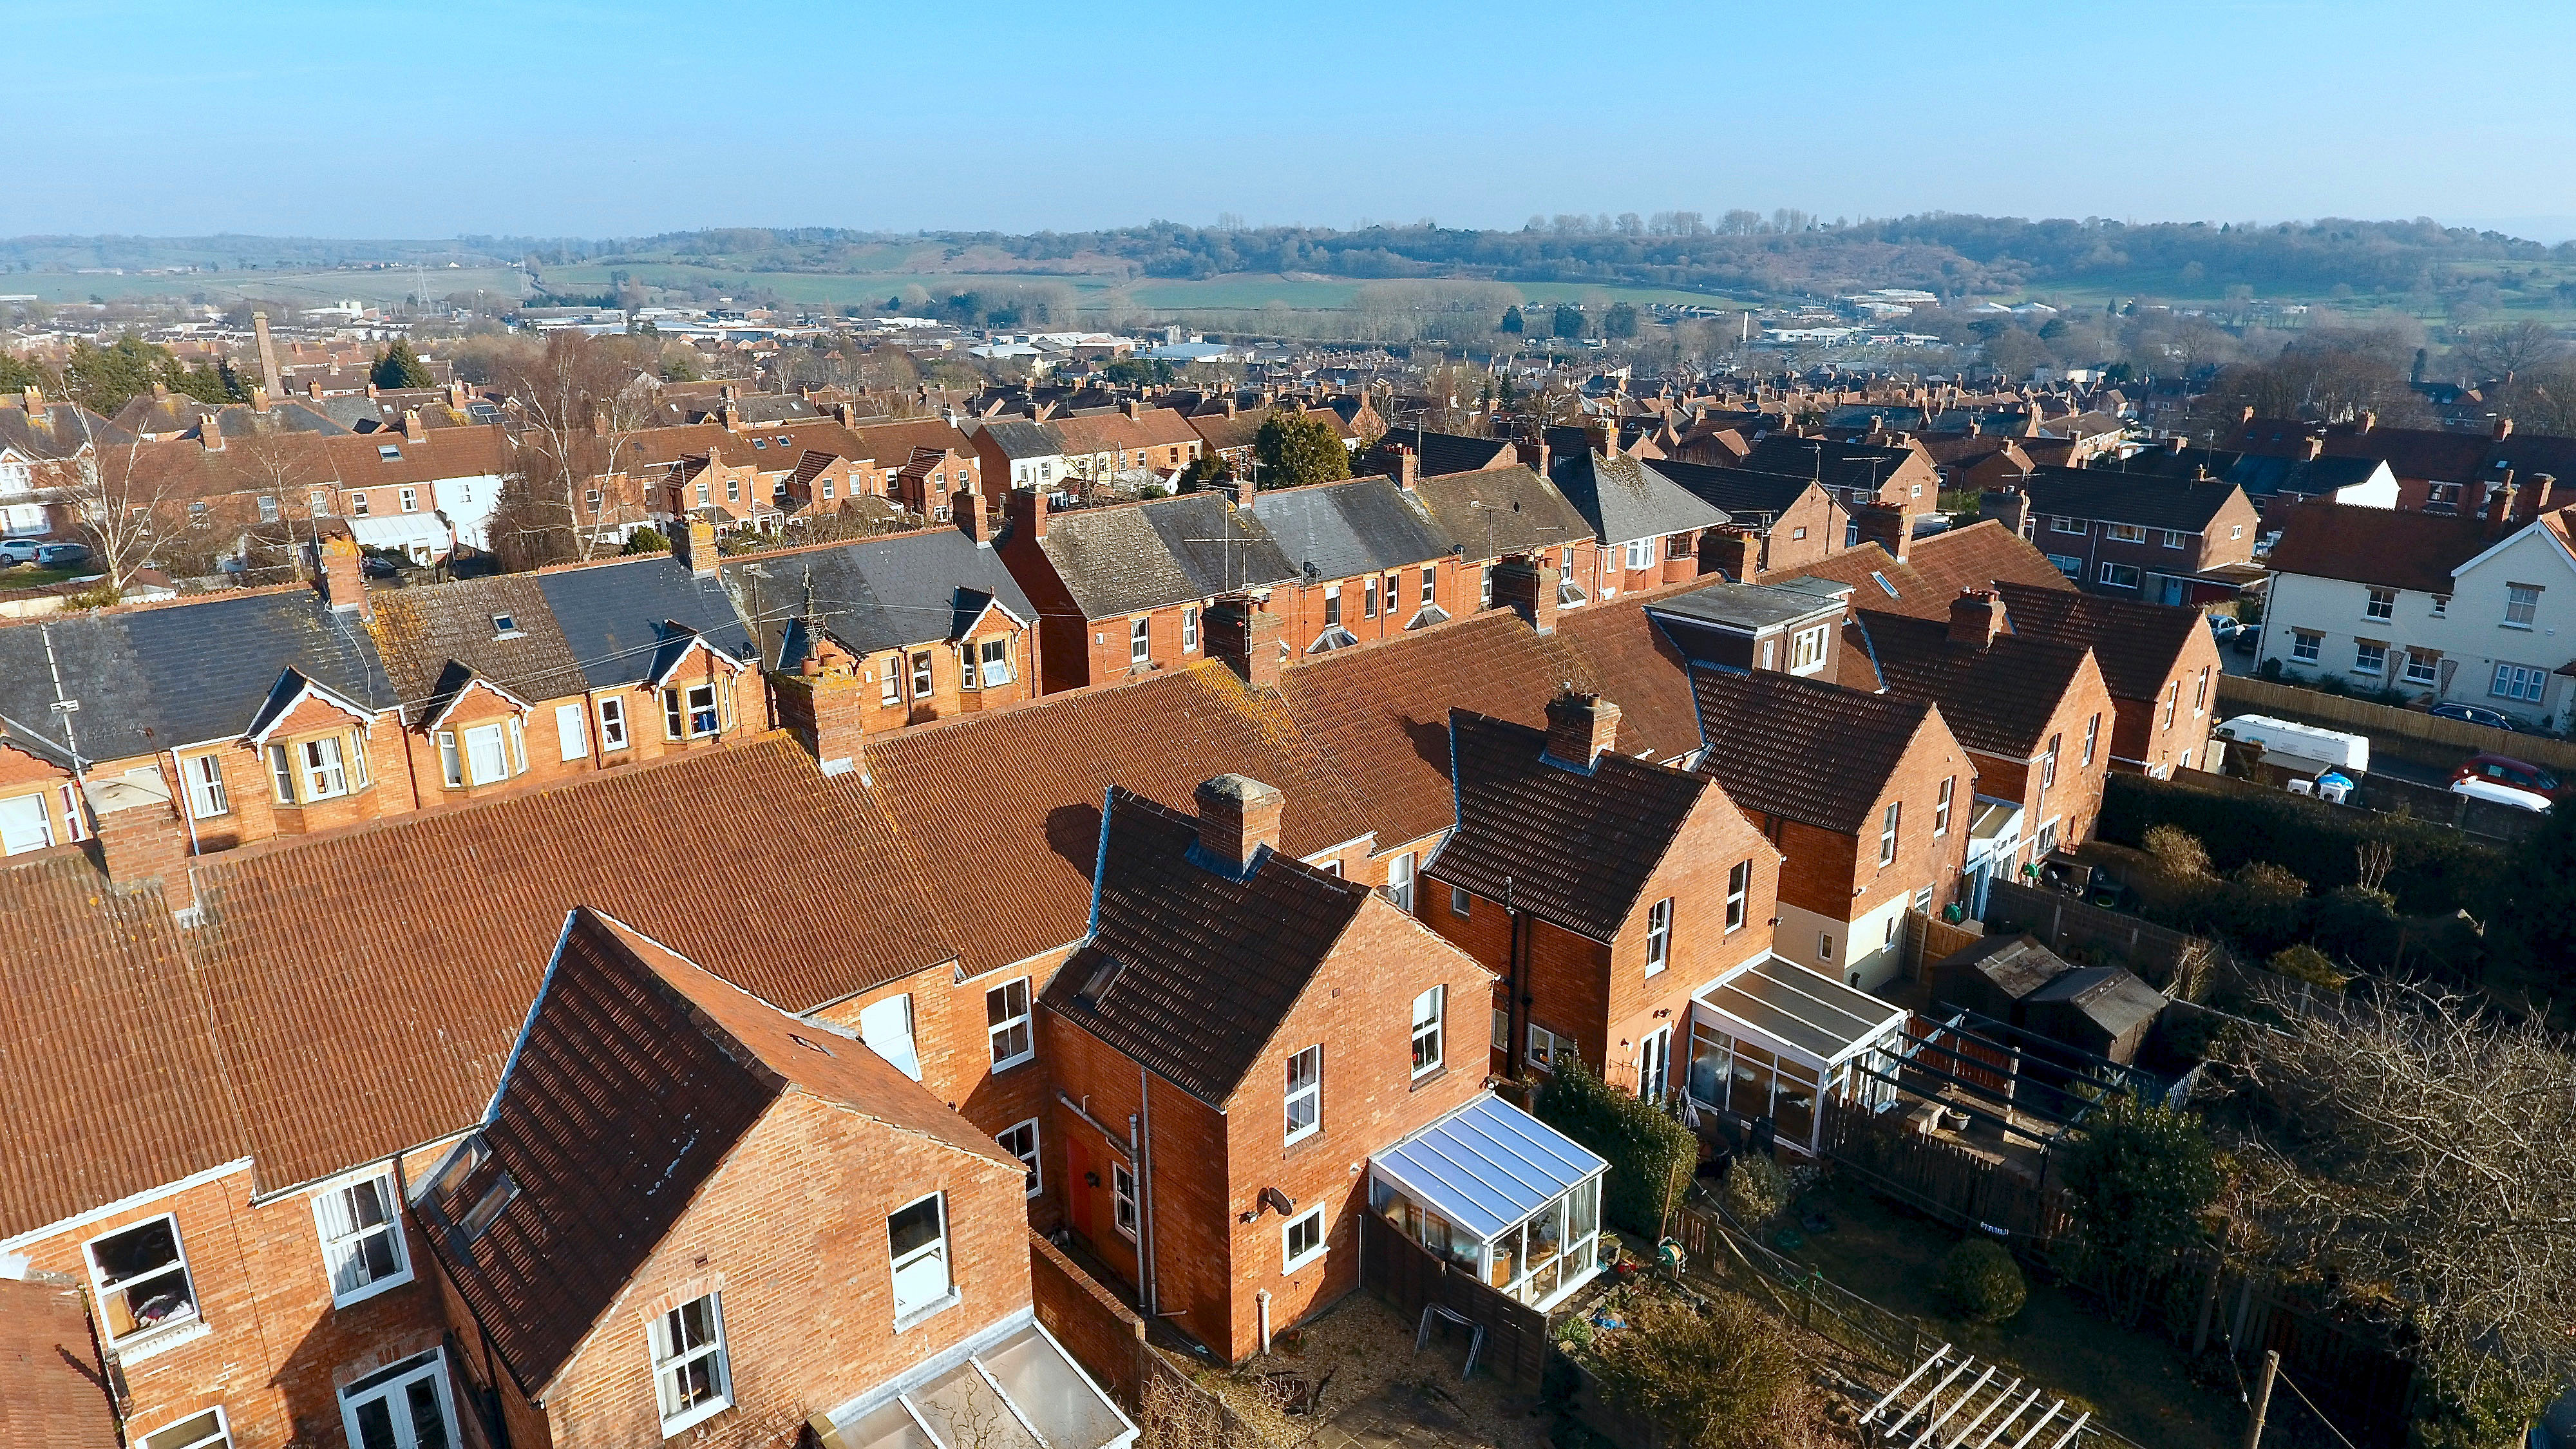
x=60 y=436
x=1020 y=438
x=1747 y=496
x=1828 y=461
x=1129 y=558
x=159 y=676
x=636 y=1074
x=2149 y=502
x=1496 y=511
x=1438 y=453
x=1997 y=699
x=2386 y=547
x=877 y=594
x=1190 y=972
x=2137 y=644
x=1804 y=749
x=945 y=785
x=614 y=616
x=1623 y=499
x=1576 y=846
x=418 y=631
x=1338 y=530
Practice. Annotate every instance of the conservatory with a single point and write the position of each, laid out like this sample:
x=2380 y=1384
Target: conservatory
x=1495 y=1192
x=1775 y=1040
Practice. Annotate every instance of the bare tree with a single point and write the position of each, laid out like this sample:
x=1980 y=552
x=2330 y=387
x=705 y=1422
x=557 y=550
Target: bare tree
x=2507 y=349
x=582 y=401
x=119 y=507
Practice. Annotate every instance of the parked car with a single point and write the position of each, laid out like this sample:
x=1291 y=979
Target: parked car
x=19 y=550
x=2506 y=770
x=62 y=555
x=2246 y=639
x=2473 y=714
x=2223 y=628
x=2488 y=790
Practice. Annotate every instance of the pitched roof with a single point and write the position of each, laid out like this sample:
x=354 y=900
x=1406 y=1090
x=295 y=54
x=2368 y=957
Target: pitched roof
x=616 y=616
x=2386 y=547
x=1628 y=660
x=108 y=1081
x=1998 y=699
x=1982 y=554
x=158 y=676
x=636 y=1073
x=1132 y=557
x=1439 y=453
x=57 y=1394
x=459 y=910
x=1190 y=971
x=1359 y=526
x=2137 y=644
x=59 y=434
x=1803 y=749
x=1833 y=463
x=1020 y=438
x=1496 y=511
x=419 y=631
x=1575 y=846
x=2143 y=500
x=1623 y=499
x=1016 y=795
x=880 y=593
x=1747 y=495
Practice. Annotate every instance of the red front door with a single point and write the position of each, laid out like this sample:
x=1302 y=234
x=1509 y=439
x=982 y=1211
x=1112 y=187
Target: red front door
x=1077 y=1184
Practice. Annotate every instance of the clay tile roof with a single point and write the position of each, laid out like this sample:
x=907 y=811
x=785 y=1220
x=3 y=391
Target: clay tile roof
x=107 y=1080
x=1997 y=699
x=1380 y=714
x=460 y=910
x=1979 y=556
x=2138 y=644
x=1190 y=972
x=56 y=1393
x=2386 y=547
x=1803 y=749
x=1630 y=662
x=1576 y=847
x=636 y=1073
x=1015 y=796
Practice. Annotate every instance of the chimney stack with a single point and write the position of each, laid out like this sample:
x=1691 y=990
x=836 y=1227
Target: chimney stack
x=267 y=352
x=1025 y=510
x=2173 y=445
x=1524 y=584
x=141 y=838
x=210 y=431
x=971 y=521
x=1246 y=637
x=1230 y=408
x=694 y=543
x=1602 y=436
x=1976 y=617
x=1888 y=526
x=1408 y=468
x=2008 y=506
x=2316 y=447
x=344 y=583
x=1734 y=553
x=2499 y=502
x=1131 y=408
x=413 y=428
x=825 y=703
x=1238 y=819
x=2503 y=429
x=1534 y=454
x=2542 y=485
x=1580 y=727
x=2369 y=420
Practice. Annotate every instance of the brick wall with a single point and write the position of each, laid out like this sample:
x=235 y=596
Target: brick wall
x=951 y=1035
x=1302 y=608
x=1101 y=1332
x=1805 y=534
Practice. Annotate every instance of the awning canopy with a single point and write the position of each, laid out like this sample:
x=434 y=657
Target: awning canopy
x=1487 y=1166
x=401 y=532
x=1813 y=1016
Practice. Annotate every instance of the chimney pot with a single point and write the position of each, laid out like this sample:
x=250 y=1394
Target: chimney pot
x=1580 y=727
x=1976 y=617
x=1238 y=819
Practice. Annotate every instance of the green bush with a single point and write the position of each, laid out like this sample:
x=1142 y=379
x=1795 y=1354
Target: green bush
x=2433 y=870
x=1650 y=1154
x=1756 y=1190
x=1980 y=1281
x=647 y=540
x=2307 y=963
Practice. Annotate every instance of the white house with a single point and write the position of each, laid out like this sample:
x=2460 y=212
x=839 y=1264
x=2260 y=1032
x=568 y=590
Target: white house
x=2465 y=610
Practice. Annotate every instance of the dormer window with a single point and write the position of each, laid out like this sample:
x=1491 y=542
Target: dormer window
x=505 y=627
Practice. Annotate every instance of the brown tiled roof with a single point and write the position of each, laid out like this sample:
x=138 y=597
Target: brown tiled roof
x=1575 y=846
x=413 y=946
x=1803 y=749
x=1998 y=699
x=1628 y=660
x=1380 y=713
x=1190 y=972
x=1877 y=581
x=53 y=1392
x=1014 y=798
x=2137 y=644
x=107 y=1080
x=1981 y=555
x=2381 y=546
x=636 y=1074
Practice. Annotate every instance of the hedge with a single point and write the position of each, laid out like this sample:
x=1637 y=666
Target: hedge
x=2433 y=870
x=1650 y=1155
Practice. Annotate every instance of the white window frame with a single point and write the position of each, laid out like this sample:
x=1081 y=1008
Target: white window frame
x=1032 y=1159
x=1807 y=649
x=2067 y=525
x=2109 y=576
x=2363 y=663
x=411 y=500
x=2521 y=600
x=999 y=1031
x=992 y=665
x=484 y=737
x=451 y=760
x=1460 y=902
x=1430 y=1018
x=1888 y=821
x=1304 y=1088
x=281 y=772
x=325 y=771
x=1189 y=631
x=222 y=1438
x=2124 y=533
x=343 y=1238
x=1824 y=945
x=2306 y=648
x=2379 y=604
x=2173 y=538
x=936 y=1250
x=1310 y=1221
x=1659 y=936
x=205 y=779
x=1641 y=553
x=2523 y=683
x=669 y=1360
x=572 y=730
x=1140 y=640
x=1941 y=806
x=101 y=1288
x=392 y=1383
x=925 y=674
x=2431 y=670
x=1739 y=894
x=887 y=1027
x=2048 y=764
x=890 y=685
x=1400 y=878
x=1122 y=1200
x=2093 y=725
x=1556 y=1048
x=612 y=724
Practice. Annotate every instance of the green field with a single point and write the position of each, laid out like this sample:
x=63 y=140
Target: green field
x=313 y=288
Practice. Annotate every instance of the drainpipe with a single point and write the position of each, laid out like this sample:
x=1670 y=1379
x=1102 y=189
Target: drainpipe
x=1144 y=1128
x=1261 y=1306
x=1144 y=1237
x=1516 y=1010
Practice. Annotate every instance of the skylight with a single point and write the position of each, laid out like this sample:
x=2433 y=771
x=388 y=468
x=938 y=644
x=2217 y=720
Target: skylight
x=1883 y=583
x=389 y=452
x=504 y=627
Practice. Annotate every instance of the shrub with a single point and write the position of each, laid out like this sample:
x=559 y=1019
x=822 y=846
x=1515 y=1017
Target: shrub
x=2138 y=1179
x=2270 y=670
x=1756 y=1190
x=2433 y=869
x=2178 y=851
x=1717 y=1377
x=1981 y=1282
x=647 y=540
x=2307 y=963
x=1650 y=1154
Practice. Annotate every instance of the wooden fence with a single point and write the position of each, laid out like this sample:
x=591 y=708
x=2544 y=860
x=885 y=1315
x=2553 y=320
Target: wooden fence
x=1408 y=1276
x=2436 y=737
x=2169 y=960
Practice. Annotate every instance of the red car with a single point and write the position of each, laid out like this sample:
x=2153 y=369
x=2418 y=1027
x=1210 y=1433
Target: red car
x=2506 y=770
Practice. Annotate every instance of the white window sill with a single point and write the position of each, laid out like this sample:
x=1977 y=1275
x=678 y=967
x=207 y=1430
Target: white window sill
x=2521 y=628
x=906 y=1322
x=1018 y=1061
x=696 y=1416
x=158 y=1341
x=381 y=1285
x=1295 y=1264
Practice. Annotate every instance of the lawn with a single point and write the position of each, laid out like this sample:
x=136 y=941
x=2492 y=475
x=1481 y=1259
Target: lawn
x=316 y=288
x=28 y=576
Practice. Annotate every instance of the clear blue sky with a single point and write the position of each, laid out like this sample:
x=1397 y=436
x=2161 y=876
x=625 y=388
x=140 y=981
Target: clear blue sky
x=555 y=118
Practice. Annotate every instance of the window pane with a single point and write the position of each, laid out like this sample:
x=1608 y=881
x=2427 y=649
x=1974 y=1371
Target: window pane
x=376 y=1425
x=914 y=1228
x=428 y=1420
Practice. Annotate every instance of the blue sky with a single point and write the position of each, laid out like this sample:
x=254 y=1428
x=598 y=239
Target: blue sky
x=554 y=118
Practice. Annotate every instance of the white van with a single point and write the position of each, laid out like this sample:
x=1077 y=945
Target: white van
x=2300 y=744
x=2519 y=799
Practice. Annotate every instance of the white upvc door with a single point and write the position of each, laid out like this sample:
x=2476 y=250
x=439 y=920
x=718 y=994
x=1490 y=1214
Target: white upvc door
x=407 y=1406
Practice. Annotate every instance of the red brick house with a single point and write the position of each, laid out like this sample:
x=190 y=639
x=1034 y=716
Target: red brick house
x=1791 y=522
x=2160 y=664
x=1370 y=564
x=1238 y=1029
x=2154 y=539
x=1492 y=515
x=1602 y=891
